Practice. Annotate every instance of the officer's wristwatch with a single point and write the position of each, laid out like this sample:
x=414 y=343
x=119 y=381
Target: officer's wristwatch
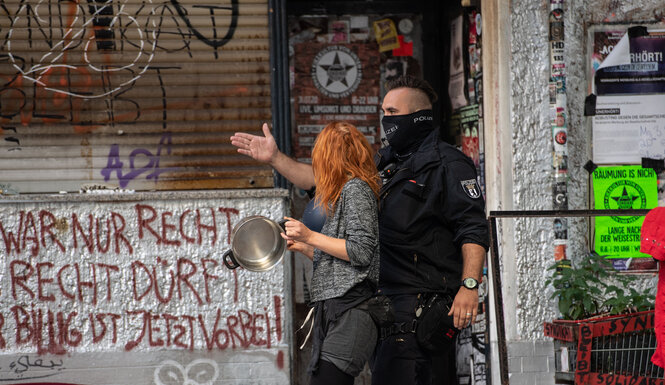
x=470 y=283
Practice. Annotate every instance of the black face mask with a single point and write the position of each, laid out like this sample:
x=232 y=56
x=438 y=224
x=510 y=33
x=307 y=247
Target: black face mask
x=405 y=132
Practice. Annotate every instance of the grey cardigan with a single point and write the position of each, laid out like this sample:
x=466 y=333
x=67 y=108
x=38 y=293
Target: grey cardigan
x=355 y=218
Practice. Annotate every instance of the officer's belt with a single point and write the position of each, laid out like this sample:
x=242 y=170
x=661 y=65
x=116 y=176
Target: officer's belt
x=399 y=328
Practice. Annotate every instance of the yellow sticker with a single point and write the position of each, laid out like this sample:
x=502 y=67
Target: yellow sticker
x=386 y=35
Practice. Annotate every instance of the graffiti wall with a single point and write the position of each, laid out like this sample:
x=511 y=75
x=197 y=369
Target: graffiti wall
x=131 y=288
x=131 y=94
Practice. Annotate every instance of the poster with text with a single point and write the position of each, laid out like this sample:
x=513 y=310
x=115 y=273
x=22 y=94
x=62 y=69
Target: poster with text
x=635 y=65
x=628 y=128
x=604 y=42
x=335 y=83
x=622 y=188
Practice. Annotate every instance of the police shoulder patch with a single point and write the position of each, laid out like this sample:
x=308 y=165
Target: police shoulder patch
x=471 y=188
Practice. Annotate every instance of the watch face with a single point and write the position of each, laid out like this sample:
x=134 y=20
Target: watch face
x=470 y=283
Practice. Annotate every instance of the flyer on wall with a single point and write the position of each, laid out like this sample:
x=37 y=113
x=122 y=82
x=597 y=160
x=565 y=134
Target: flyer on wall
x=618 y=237
x=635 y=65
x=627 y=129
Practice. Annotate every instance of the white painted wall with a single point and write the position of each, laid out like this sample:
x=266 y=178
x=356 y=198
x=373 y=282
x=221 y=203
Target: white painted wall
x=519 y=155
x=130 y=288
x=532 y=147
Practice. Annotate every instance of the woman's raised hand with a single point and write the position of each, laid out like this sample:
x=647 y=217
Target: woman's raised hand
x=261 y=148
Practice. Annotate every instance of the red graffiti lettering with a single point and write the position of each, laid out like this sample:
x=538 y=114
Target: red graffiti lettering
x=118 y=228
x=212 y=338
x=46 y=229
x=231 y=323
x=30 y=227
x=95 y=228
x=27 y=234
x=10 y=239
x=71 y=283
x=166 y=228
x=184 y=277
x=103 y=247
x=3 y=342
x=31 y=329
x=207 y=276
x=108 y=269
x=161 y=280
x=156 y=280
x=132 y=344
x=278 y=316
x=170 y=229
x=135 y=281
x=145 y=223
x=41 y=281
x=101 y=322
x=76 y=227
x=152 y=328
x=183 y=216
x=19 y=280
x=210 y=228
x=242 y=329
x=229 y=228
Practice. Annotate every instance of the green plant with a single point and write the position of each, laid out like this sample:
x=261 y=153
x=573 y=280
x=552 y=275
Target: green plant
x=594 y=287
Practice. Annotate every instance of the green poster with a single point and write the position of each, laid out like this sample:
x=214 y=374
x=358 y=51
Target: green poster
x=626 y=187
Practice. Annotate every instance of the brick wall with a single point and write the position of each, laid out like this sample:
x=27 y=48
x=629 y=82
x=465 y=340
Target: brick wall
x=531 y=363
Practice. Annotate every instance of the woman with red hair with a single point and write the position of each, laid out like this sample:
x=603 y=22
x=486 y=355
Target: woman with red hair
x=345 y=253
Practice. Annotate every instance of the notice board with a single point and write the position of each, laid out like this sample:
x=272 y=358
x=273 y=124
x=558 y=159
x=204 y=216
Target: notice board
x=628 y=84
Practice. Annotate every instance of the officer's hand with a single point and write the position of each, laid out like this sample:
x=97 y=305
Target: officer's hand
x=465 y=307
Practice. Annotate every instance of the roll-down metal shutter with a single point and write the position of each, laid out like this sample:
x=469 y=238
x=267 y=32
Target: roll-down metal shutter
x=131 y=94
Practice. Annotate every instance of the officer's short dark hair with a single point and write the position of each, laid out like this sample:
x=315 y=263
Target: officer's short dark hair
x=408 y=81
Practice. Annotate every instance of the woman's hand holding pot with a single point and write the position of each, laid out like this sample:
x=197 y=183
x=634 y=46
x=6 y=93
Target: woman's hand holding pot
x=296 y=231
x=300 y=238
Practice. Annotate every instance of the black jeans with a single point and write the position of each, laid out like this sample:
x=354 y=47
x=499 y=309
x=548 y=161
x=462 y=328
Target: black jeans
x=399 y=360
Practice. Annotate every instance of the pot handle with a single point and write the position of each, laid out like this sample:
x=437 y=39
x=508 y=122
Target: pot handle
x=282 y=224
x=229 y=260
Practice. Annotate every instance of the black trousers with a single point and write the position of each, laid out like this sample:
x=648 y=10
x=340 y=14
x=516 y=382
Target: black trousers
x=399 y=360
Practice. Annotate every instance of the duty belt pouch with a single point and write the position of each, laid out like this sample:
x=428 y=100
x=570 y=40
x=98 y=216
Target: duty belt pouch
x=435 y=329
x=380 y=308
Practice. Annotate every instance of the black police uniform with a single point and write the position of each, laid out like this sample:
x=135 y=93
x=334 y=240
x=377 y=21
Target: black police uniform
x=430 y=205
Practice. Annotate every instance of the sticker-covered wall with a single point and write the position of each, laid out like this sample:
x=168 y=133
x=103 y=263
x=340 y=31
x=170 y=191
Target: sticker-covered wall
x=131 y=288
x=531 y=123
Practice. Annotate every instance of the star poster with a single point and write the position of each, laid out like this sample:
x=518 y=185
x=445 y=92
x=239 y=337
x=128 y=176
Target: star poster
x=335 y=82
x=622 y=188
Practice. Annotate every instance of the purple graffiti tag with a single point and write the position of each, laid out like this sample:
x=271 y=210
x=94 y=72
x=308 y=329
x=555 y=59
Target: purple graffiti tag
x=158 y=170
x=114 y=164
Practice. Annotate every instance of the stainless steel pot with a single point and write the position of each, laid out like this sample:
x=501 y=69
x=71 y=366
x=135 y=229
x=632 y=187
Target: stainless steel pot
x=256 y=244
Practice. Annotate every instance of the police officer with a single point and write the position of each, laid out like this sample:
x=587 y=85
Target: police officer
x=433 y=234
x=432 y=229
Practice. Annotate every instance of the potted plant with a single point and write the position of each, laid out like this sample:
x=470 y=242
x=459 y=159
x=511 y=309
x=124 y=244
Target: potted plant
x=605 y=324
x=594 y=288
